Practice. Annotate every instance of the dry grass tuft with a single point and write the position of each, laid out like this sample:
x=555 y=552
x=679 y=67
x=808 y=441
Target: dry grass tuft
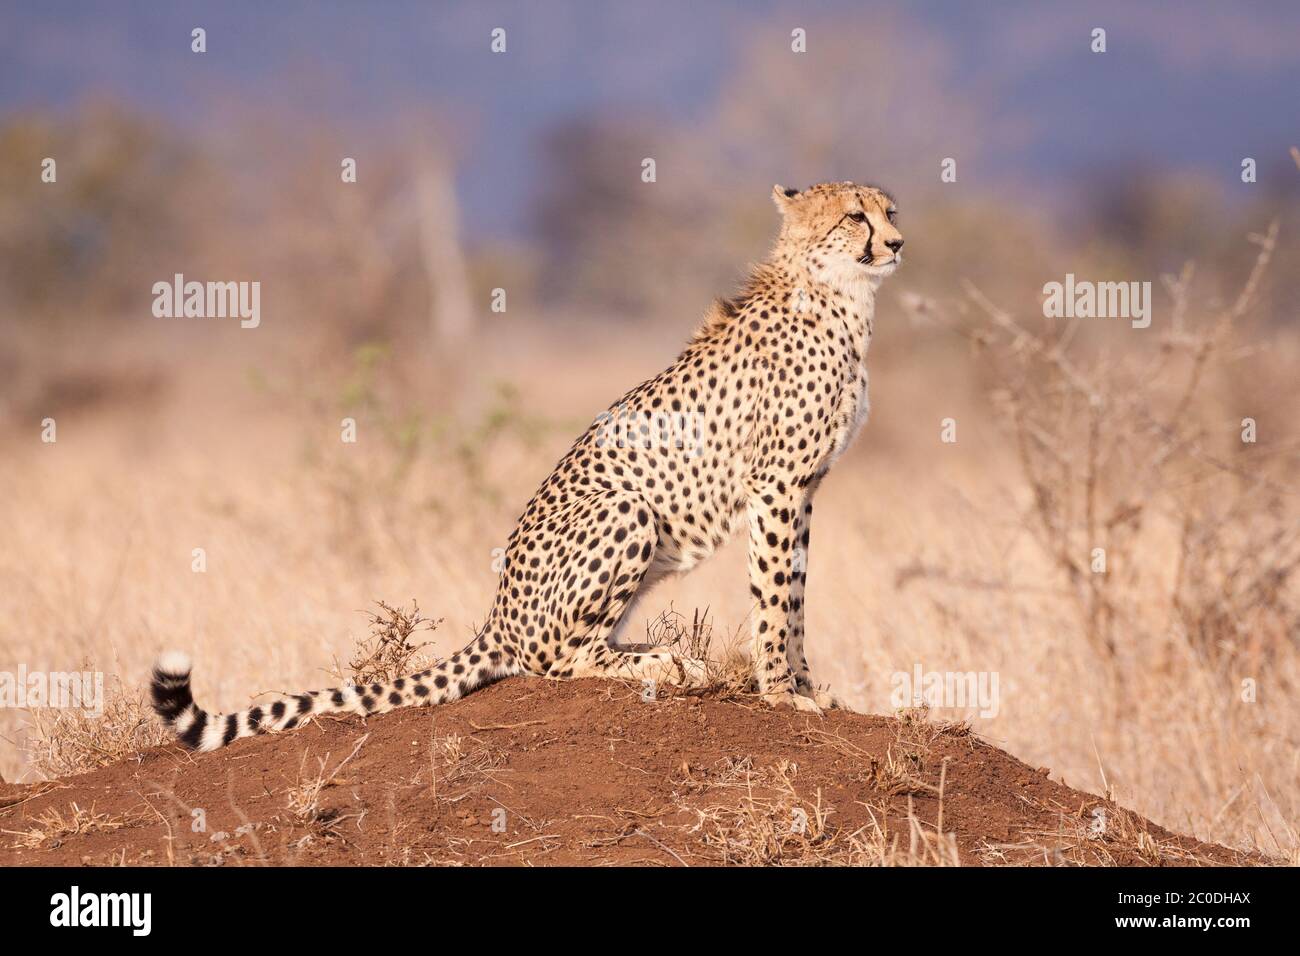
x=52 y=826
x=303 y=798
x=62 y=742
x=918 y=725
x=877 y=844
x=772 y=824
x=896 y=774
x=458 y=765
x=1100 y=835
x=728 y=674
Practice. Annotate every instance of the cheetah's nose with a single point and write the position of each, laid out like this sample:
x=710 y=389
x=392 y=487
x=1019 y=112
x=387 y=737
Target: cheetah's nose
x=894 y=245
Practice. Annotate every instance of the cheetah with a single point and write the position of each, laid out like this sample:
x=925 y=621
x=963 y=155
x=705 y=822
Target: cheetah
x=740 y=429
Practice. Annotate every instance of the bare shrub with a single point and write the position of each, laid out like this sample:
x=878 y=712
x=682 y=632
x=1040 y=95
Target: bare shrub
x=1112 y=446
x=388 y=652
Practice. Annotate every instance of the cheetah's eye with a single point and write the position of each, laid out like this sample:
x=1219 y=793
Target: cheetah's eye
x=858 y=216
x=893 y=215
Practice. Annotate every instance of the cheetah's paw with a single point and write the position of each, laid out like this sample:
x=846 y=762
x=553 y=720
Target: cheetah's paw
x=793 y=701
x=827 y=700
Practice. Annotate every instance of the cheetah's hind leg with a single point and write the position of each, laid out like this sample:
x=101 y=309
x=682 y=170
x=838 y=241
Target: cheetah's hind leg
x=627 y=523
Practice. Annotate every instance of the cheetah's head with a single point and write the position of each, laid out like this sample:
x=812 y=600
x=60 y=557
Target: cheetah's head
x=846 y=232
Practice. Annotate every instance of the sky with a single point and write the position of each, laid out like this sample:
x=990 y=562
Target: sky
x=1189 y=85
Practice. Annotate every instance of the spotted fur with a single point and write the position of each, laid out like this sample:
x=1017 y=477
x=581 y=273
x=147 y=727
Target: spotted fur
x=771 y=390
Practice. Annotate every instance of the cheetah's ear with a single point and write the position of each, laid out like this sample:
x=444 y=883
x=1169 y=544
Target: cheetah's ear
x=782 y=196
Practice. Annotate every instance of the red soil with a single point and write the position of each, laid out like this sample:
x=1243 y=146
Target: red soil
x=585 y=772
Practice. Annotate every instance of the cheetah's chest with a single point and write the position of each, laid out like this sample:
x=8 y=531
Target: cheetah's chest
x=851 y=413
x=851 y=403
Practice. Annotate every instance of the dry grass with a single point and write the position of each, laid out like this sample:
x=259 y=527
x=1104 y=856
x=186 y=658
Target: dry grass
x=53 y=825
x=458 y=765
x=920 y=845
x=898 y=771
x=64 y=742
x=727 y=670
x=919 y=725
x=1103 y=835
x=303 y=798
x=770 y=825
x=756 y=816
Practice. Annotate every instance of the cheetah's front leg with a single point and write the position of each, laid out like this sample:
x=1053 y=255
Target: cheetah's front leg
x=772 y=513
x=798 y=580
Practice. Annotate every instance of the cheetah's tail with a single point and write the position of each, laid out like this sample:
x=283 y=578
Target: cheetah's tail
x=197 y=729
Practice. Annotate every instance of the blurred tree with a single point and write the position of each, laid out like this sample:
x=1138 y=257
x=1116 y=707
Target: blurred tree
x=870 y=101
x=125 y=188
x=450 y=313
